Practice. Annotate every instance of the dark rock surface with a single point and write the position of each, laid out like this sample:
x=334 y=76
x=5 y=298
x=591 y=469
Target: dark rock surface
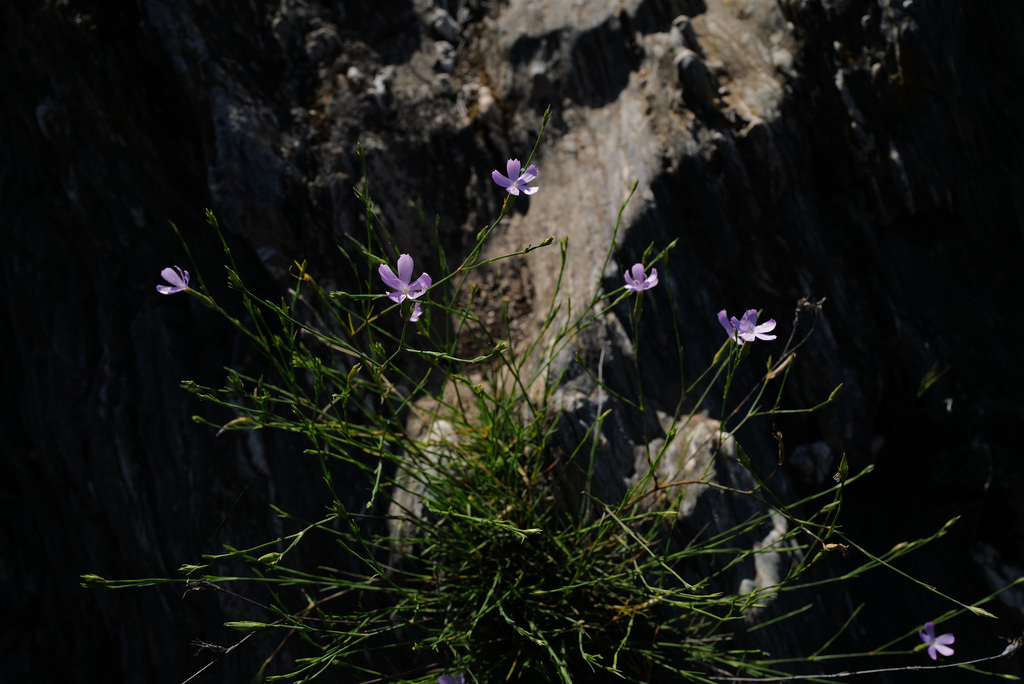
x=865 y=151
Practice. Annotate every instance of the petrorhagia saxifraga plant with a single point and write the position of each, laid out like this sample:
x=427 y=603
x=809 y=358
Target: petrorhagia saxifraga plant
x=466 y=565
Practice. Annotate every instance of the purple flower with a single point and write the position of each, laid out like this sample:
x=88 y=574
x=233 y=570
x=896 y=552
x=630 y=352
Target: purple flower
x=746 y=329
x=936 y=643
x=452 y=679
x=178 y=279
x=513 y=187
x=403 y=288
x=636 y=281
x=417 y=311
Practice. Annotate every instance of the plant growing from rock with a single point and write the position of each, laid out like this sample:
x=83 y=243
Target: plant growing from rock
x=488 y=549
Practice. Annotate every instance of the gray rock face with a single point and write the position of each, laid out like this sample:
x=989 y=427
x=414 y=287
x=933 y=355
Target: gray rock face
x=867 y=152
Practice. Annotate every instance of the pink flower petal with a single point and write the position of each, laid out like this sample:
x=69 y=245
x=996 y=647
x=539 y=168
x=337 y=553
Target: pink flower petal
x=405 y=266
x=175 y=276
x=513 y=167
x=729 y=326
x=652 y=279
x=389 y=277
x=419 y=287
